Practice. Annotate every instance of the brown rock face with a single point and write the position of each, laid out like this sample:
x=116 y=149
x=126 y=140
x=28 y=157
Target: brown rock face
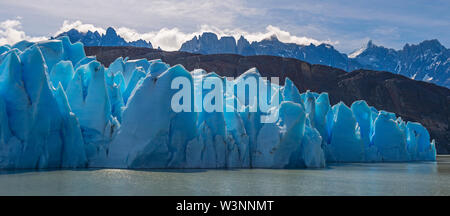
x=413 y=100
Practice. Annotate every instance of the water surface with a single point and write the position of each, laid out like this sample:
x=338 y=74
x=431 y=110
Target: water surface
x=420 y=178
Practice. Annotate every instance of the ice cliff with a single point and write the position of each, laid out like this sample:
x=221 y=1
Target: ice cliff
x=62 y=109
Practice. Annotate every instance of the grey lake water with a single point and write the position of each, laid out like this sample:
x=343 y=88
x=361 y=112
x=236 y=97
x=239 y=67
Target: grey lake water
x=420 y=178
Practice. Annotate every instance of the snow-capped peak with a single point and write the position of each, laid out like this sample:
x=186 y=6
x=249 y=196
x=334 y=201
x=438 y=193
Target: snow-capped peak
x=358 y=52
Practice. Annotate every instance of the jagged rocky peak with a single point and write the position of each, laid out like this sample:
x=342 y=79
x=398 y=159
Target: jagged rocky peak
x=111 y=31
x=110 y=38
x=370 y=44
x=433 y=45
x=273 y=38
x=209 y=36
x=244 y=48
x=324 y=45
x=369 y=47
x=228 y=39
x=228 y=44
x=209 y=43
x=243 y=40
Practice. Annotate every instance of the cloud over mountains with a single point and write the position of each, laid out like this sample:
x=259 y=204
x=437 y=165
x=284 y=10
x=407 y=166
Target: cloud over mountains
x=169 y=39
x=11 y=32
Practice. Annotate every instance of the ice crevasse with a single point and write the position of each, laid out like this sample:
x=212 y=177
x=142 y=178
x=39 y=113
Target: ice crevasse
x=62 y=109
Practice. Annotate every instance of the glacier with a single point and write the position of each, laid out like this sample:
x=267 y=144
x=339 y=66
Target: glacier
x=62 y=109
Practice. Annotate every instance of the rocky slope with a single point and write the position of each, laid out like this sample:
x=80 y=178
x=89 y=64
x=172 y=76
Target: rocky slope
x=413 y=100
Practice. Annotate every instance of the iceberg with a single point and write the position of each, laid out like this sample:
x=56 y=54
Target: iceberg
x=62 y=109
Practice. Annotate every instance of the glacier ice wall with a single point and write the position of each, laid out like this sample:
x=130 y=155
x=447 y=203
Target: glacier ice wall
x=62 y=109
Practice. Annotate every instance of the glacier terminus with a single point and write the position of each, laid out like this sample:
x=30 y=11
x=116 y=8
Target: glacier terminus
x=62 y=109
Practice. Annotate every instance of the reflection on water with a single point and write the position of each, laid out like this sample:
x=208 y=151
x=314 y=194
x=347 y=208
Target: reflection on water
x=428 y=178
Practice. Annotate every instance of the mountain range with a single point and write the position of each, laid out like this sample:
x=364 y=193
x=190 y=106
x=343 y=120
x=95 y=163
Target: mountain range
x=110 y=38
x=427 y=61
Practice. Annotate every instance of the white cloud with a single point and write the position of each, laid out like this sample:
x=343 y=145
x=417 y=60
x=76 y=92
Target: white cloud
x=172 y=39
x=347 y=21
x=11 y=33
x=283 y=36
x=67 y=25
x=167 y=39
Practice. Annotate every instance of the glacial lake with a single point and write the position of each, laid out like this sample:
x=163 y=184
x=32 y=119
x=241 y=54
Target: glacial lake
x=419 y=178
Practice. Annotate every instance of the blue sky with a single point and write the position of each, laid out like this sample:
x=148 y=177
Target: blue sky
x=346 y=24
